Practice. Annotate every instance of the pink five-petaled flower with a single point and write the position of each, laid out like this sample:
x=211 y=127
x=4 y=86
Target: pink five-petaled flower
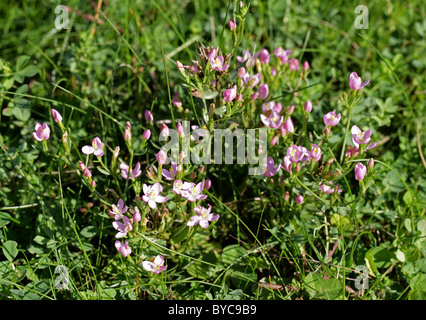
x=270 y=169
x=122 y=227
x=360 y=171
x=152 y=195
x=192 y=191
x=216 y=62
x=315 y=153
x=359 y=137
x=155 y=267
x=178 y=186
x=331 y=119
x=172 y=173
x=42 y=132
x=355 y=81
x=136 y=172
x=118 y=210
x=202 y=217
x=123 y=248
x=56 y=115
x=295 y=153
x=230 y=94
x=282 y=54
x=272 y=119
x=96 y=148
x=272 y=106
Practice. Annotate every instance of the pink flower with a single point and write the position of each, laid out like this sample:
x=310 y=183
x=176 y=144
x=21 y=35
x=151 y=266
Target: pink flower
x=282 y=54
x=155 y=267
x=232 y=24
x=42 y=132
x=299 y=199
x=355 y=82
x=264 y=56
x=288 y=125
x=202 y=217
x=216 y=62
x=271 y=106
x=56 y=115
x=360 y=171
x=96 y=148
x=270 y=167
x=331 y=119
x=170 y=174
x=122 y=227
x=308 y=106
x=124 y=249
x=136 y=172
x=161 y=157
x=315 y=153
x=118 y=210
x=295 y=153
x=326 y=188
x=230 y=94
x=254 y=80
x=287 y=164
x=263 y=91
x=178 y=186
x=152 y=195
x=273 y=120
x=127 y=132
x=245 y=57
x=359 y=137
x=294 y=64
x=192 y=192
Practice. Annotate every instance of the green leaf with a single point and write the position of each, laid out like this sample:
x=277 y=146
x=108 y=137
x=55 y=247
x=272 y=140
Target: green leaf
x=89 y=231
x=321 y=288
x=103 y=171
x=233 y=253
x=10 y=250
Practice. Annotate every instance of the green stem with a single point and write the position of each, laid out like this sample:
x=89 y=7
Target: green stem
x=342 y=153
x=310 y=191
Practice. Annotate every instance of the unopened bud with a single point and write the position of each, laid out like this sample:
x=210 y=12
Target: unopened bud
x=371 y=163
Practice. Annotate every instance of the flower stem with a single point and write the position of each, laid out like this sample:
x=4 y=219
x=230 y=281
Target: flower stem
x=346 y=134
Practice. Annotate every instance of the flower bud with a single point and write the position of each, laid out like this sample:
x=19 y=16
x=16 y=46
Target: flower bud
x=232 y=24
x=148 y=116
x=56 y=115
x=137 y=215
x=161 y=157
x=147 y=134
x=179 y=129
x=371 y=163
x=207 y=184
x=165 y=130
x=308 y=106
x=306 y=65
x=299 y=199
